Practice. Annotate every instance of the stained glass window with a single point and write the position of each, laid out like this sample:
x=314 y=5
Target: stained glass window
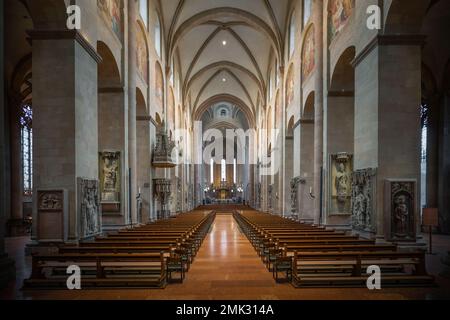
x=224 y=170
x=424 y=116
x=211 y=168
x=26 y=125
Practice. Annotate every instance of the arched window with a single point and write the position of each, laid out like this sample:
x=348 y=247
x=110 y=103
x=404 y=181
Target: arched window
x=223 y=113
x=158 y=36
x=424 y=116
x=223 y=170
x=306 y=11
x=292 y=32
x=26 y=129
x=143 y=11
x=211 y=164
x=234 y=171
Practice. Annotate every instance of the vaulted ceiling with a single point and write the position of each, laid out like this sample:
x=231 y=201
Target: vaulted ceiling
x=224 y=47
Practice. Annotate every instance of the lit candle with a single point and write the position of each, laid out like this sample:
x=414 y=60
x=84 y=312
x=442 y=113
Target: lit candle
x=310 y=190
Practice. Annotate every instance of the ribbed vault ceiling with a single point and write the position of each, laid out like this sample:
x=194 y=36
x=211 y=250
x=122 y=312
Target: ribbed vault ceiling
x=252 y=29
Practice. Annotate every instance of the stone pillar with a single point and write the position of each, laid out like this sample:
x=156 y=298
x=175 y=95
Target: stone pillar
x=444 y=164
x=387 y=118
x=65 y=125
x=132 y=69
x=318 y=106
x=306 y=171
x=289 y=174
x=15 y=216
x=432 y=154
x=7 y=270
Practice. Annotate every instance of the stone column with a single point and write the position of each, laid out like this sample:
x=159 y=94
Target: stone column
x=432 y=153
x=282 y=177
x=7 y=270
x=444 y=167
x=16 y=168
x=289 y=174
x=65 y=125
x=318 y=105
x=132 y=69
x=387 y=118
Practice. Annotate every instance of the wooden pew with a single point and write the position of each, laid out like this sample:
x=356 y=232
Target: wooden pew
x=142 y=257
x=325 y=257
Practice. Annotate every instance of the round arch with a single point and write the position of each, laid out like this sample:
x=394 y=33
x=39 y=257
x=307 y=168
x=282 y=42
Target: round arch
x=225 y=98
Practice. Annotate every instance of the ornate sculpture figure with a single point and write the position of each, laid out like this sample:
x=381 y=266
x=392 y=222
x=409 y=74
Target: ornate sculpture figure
x=341 y=182
x=362 y=199
x=110 y=175
x=360 y=207
x=401 y=214
x=402 y=209
x=89 y=208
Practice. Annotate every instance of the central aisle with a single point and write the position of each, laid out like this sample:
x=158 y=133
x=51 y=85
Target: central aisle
x=226 y=267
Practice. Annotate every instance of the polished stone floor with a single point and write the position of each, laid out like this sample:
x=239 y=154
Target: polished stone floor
x=228 y=268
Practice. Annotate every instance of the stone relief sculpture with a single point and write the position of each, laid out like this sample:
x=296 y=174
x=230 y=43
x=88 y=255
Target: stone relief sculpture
x=50 y=201
x=341 y=168
x=363 y=195
x=110 y=176
x=294 y=194
x=52 y=215
x=269 y=196
x=179 y=194
x=89 y=208
x=258 y=195
x=401 y=202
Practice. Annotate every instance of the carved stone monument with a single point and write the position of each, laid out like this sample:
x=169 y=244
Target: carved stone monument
x=400 y=205
x=163 y=191
x=295 y=182
x=110 y=180
x=258 y=195
x=89 y=210
x=363 y=200
x=179 y=208
x=269 y=197
x=341 y=168
x=52 y=216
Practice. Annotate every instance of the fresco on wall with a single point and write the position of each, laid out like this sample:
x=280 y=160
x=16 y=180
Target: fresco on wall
x=290 y=87
x=308 y=63
x=141 y=55
x=159 y=86
x=339 y=13
x=111 y=8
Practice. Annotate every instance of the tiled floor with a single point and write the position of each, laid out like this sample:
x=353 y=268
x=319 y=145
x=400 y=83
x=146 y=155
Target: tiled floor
x=228 y=268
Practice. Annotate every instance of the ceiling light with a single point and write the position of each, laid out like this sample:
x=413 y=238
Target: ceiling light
x=224 y=80
x=224 y=42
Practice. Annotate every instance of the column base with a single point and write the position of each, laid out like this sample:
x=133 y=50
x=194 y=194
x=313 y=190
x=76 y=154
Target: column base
x=7 y=270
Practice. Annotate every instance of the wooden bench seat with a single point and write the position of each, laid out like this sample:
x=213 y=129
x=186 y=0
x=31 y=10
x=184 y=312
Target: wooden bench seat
x=386 y=281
